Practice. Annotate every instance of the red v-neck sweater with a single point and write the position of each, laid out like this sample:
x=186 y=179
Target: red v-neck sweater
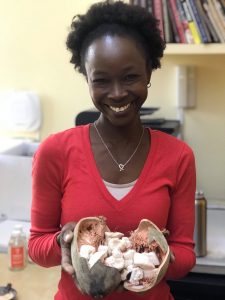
x=67 y=187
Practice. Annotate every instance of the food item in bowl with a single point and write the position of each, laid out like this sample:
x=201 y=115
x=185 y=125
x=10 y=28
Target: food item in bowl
x=103 y=260
x=152 y=256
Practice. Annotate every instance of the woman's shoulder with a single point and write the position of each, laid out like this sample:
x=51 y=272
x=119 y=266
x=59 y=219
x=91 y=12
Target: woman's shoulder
x=55 y=142
x=66 y=135
x=169 y=142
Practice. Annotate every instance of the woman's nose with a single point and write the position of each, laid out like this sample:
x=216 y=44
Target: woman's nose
x=117 y=91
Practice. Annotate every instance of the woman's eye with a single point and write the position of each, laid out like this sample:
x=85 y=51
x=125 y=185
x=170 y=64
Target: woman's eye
x=131 y=77
x=99 y=81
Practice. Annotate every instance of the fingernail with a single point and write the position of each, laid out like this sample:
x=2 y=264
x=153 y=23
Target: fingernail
x=66 y=237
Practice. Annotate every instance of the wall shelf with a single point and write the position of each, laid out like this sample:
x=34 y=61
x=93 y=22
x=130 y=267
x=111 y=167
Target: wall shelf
x=192 y=49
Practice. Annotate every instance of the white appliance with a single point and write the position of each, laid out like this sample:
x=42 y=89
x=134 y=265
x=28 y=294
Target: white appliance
x=20 y=113
x=15 y=181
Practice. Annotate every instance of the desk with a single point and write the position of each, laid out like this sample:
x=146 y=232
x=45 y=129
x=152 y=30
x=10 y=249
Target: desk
x=32 y=283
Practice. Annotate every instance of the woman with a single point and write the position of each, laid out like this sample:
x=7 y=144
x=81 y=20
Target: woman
x=114 y=167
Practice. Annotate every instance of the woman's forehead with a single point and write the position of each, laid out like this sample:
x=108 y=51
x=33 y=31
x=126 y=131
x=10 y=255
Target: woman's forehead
x=113 y=46
x=114 y=54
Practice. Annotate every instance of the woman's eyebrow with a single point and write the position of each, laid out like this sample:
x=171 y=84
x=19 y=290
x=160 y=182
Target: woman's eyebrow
x=99 y=73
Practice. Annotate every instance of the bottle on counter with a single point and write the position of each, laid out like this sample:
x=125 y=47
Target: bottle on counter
x=26 y=238
x=17 y=251
x=200 y=236
x=19 y=227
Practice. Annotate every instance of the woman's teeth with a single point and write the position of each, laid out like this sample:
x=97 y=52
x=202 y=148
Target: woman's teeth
x=118 y=109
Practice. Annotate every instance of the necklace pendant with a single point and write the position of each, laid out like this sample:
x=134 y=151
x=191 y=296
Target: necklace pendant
x=121 y=167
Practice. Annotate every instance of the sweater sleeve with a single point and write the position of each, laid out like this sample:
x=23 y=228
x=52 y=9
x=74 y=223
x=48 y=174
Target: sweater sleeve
x=46 y=204
x=181 y=216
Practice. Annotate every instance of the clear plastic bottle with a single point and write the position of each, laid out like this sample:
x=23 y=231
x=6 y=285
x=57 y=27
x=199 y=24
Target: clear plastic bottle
x=16 y=251
x=20 y=228
x=24 y=236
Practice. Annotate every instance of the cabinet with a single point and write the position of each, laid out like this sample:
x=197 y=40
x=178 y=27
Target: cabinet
x=196 y=286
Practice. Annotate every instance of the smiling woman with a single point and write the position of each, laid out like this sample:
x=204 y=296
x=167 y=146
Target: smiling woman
x=114 y=167
x=117 y=76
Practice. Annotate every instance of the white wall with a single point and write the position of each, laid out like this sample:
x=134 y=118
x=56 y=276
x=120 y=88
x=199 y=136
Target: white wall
x=33 y=56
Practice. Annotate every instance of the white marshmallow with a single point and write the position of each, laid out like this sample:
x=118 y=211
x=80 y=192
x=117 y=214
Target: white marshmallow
x=143 y=261
x=113 y=243
x=127 y=242
x=96 y=257
x=130 y=268
x=117 y=253
x=153 y=258
x=128 y=262
x=119 y=263
x=129 y=254
x=86 y=251
x=136 y=275
x=109 y=261
x=103 y=248
x=109 y=235
x=116 y=243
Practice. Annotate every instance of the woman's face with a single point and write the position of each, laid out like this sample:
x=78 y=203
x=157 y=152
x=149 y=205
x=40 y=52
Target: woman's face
x=117 y=77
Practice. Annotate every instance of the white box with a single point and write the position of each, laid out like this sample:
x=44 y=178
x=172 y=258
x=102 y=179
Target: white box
x=15 y=181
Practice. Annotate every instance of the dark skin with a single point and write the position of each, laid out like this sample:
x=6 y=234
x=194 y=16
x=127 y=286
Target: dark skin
x=117 y=74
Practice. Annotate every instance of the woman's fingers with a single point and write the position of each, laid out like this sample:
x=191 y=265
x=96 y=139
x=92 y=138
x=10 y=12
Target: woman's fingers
x=66 y=261
x=66 y=238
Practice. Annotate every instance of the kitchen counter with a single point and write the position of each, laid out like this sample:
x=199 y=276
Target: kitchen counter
x=212 y=263
x=34 y=282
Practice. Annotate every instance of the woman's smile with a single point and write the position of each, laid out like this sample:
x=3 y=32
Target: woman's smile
x=121 y=108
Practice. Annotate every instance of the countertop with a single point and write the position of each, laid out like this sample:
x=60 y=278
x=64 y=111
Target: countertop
x=212 y=263
x=33 y=282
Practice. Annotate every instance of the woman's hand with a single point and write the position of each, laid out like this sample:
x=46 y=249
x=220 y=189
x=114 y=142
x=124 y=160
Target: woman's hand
x=64 y=240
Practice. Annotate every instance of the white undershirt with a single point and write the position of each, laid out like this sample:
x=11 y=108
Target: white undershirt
x=118 y=191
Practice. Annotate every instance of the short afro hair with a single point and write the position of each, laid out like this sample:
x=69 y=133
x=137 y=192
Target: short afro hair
x=118 y=19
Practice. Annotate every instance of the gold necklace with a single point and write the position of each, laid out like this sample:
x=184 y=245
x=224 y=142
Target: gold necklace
x=120 y=165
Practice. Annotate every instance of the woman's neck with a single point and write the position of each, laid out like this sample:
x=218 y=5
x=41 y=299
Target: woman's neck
x=128 y=133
